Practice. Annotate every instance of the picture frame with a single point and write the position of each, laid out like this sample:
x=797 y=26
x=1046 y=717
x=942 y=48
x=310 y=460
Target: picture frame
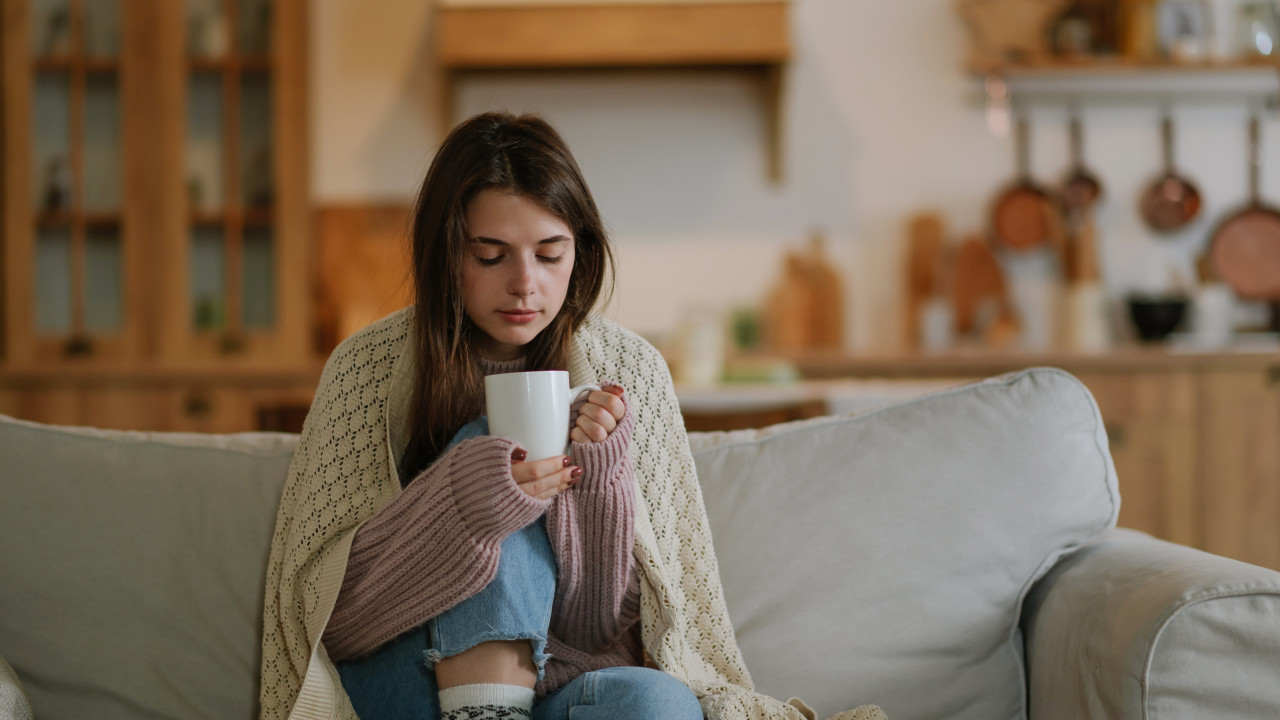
x=1184 y=30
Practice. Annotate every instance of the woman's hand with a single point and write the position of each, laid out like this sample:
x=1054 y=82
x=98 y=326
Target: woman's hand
x=544 y=479
x=599 y=415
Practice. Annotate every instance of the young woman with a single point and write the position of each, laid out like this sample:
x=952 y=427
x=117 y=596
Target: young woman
x=422 y=568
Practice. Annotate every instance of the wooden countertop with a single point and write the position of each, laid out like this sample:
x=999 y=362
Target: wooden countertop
x=978 y=363
x=123 y=375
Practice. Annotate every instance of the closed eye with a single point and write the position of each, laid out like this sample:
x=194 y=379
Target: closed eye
x=550 y=260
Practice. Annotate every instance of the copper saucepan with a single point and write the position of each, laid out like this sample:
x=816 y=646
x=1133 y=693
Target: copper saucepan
x=1244 y=249
x=1081 y=188
x=1172 y=201
x=1026 y=215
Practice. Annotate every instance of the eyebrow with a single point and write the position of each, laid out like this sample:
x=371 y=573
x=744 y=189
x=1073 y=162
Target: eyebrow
x=494 y=241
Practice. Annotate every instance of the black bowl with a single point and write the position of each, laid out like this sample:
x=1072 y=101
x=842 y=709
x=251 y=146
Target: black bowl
x=1157 y=317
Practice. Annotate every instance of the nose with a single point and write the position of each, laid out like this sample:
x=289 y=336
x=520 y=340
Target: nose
x=522 y=282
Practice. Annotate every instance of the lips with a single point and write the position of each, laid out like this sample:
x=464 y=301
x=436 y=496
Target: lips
x=519 y=316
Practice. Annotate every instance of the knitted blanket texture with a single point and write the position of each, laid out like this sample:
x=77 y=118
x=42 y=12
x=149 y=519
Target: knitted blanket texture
x=343 y=472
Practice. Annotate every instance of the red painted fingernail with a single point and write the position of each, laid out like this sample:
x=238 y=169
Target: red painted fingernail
x=519 y=455
x=575 y=473
x=571 y=483
x=567 y=461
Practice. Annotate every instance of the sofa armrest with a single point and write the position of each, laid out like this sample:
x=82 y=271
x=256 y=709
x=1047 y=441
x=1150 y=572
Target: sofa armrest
x=1133 y=627
x=13 y=702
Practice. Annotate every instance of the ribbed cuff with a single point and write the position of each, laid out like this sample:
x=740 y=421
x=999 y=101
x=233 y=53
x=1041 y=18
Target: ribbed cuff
x=601 y=460
x=488 y=499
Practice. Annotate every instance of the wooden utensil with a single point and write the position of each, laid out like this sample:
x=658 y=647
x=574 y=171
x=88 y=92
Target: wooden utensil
x=1245 y=247
x=924 y=259
x=1026 y=215
x=1172 y=201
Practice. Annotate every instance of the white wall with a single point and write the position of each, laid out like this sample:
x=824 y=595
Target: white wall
x=881 y=123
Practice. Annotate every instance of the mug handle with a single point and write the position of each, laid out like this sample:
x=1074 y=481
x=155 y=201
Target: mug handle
x=573 y=397
x=575 y=392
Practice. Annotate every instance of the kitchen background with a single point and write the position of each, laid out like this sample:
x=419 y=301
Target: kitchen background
x=882 y=120
x=201 y=199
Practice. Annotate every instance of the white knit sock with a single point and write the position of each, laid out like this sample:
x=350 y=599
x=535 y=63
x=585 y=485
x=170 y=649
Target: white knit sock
x=487 y=701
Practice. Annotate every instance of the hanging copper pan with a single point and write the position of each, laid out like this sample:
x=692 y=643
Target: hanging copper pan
x=1245 y=247
x=1082 y=188
x=1026 y=215
x=1172 y=201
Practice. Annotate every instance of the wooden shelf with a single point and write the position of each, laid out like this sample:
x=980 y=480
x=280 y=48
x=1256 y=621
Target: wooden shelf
x=1104 y=64
x=613 y=35
x=67 y=63
x=63 y=218
x=748 y=35
x=250 y=217
x=1130 y=81
x=249 y=63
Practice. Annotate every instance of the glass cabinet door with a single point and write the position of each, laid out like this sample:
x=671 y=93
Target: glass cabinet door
x=231 y=185
x=76 y=176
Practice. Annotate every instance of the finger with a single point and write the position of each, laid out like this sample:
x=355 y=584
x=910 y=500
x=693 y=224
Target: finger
x=594 y=431
x=613 y=390
x=547 y=487
x=598 y=415
x=612 y=403
x=527 y=472
x=574 y=475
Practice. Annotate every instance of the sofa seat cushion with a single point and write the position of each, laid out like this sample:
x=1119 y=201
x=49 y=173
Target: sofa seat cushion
x=883 y=557
x=133 y=570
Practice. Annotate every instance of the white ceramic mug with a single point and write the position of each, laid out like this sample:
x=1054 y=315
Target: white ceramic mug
x=532 y=408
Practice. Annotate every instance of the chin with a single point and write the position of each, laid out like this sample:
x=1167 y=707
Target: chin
x=513 y=337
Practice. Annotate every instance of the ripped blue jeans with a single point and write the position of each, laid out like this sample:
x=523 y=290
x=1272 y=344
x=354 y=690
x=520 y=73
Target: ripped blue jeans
x=397 y=681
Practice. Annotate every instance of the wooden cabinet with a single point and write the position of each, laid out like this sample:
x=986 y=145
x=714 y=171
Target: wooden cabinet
x=182 y=401
x=1151 y=421
x=155 y=183
x=1240 y=463
x=154 y=272
x=1195 y=438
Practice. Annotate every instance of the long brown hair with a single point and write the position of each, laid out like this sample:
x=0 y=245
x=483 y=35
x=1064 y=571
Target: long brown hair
x=518 y=154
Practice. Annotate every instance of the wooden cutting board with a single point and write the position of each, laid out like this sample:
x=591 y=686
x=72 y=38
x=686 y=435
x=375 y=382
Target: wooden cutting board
x=826 y=309
x=788 y=309
x=978 y=282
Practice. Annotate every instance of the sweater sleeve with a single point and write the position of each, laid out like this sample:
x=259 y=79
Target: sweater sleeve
x=433 y=546
x=592 y=531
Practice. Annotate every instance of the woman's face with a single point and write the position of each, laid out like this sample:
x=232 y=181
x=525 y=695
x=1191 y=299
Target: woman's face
x=515 y=272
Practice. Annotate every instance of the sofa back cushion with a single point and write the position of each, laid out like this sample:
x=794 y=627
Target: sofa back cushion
x=132 y=568
x=883 y=557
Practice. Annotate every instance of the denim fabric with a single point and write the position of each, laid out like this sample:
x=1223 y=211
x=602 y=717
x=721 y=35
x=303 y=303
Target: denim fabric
x=515 y=605
x=620 y=693
x=396 y=680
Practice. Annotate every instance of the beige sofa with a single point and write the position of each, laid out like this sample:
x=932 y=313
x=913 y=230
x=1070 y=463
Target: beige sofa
x=948 y=557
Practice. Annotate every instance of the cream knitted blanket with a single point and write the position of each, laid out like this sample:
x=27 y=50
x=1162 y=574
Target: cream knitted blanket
x=342 y=473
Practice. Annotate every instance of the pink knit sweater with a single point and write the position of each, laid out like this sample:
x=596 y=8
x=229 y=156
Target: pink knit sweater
x=438 y=543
